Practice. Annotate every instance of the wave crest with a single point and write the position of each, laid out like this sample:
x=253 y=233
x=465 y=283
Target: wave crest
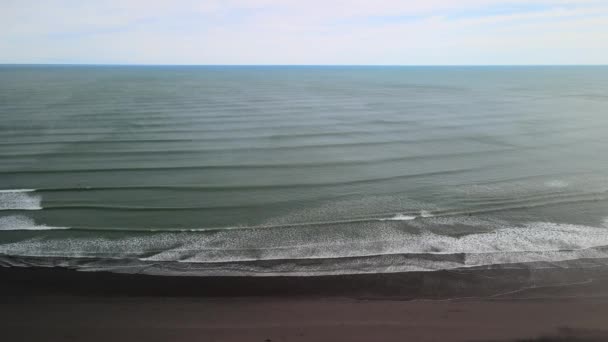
x=18 y=222
x=20 y=199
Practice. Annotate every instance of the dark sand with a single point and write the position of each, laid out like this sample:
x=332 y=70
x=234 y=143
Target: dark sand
x=483 y=305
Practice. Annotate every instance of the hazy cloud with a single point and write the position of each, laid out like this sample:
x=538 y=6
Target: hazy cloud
x=305 y=32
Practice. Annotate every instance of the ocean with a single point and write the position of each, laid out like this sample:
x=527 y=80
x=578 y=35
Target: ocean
x=302 y=170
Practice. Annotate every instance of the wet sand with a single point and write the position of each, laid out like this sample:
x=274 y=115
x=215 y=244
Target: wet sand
x=553 y=304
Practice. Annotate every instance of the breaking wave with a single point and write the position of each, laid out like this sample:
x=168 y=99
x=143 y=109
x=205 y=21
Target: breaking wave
x=379 y=247
x=20 y=199
x=18 y=222
x=400 y=217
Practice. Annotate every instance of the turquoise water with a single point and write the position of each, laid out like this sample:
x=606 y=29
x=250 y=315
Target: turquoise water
x=301 y=170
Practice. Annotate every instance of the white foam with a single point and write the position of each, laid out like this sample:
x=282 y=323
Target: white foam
x=369 y=208
x=556 y=184
x=495 y=242
x=20 y=199
x=400 y=217
x=301 y=243
x=471 y=221
x=18 y=222
x=424 y=213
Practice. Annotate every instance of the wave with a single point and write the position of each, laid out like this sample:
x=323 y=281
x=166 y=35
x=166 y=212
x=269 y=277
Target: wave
x=556 y=183
x=400 y=217
x=320 y=267
x=245 y=143
x=20 y=199
x=375 y=216
x=352 y=129
x=384 y=246
x=478 y=206
x=18 y=222
x=241 y=166
x=198 y=149
x=249 y=141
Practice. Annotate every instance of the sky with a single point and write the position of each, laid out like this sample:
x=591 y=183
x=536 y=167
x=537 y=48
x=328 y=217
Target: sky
x=348 y=32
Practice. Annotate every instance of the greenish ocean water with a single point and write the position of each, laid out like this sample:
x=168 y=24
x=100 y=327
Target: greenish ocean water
x=301 y=170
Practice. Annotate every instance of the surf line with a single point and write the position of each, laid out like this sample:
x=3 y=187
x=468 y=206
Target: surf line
x=20 y=199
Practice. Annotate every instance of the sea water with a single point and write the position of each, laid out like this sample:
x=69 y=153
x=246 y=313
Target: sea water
x=301 y=170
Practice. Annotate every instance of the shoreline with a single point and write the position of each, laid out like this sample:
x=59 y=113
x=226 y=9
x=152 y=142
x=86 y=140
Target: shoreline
x=432 y=285
x=555 y=304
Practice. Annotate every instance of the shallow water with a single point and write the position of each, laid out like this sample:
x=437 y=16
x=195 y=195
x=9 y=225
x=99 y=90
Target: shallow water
x=301 y=170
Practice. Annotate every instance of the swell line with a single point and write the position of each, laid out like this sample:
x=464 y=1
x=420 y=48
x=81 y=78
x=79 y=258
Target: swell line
x=270 y=186
x=260 y=166
x=499 y=206
x=221 y=149
x=271 y=136
x=378 y=217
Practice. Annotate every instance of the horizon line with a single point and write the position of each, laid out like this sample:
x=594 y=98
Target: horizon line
x=300 y=65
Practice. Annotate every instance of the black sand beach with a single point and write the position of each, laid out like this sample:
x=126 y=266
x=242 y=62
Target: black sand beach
x=553 y=304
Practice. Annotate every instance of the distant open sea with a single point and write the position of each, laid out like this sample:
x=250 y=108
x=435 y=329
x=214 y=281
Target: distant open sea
x=287 y=170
